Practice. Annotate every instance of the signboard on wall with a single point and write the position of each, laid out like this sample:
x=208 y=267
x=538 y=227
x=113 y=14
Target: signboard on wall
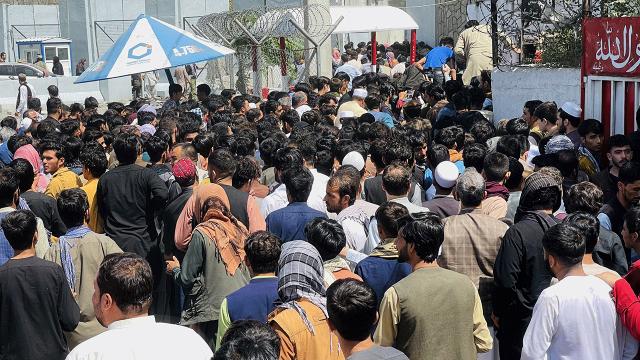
x=611 y=46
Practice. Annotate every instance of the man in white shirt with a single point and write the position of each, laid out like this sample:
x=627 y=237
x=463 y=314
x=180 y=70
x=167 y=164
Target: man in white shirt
x=287 y=158
x=299 y=102
x=25 y=91
x=575 y=318
x=396 y=183
x=121 y=302
x=342 y=192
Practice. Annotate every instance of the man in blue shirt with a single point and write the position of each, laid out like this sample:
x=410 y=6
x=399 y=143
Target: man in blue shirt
x=257 y=299
x=441 y=55
x=288 y=223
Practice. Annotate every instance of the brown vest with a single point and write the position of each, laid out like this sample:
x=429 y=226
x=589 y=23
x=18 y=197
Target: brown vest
x=436 y=315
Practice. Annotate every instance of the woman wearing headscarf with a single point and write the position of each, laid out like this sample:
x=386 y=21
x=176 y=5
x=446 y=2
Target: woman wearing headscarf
x=213 y=266
x=301 y=320
x=391 y=59
x=29 y=153
x=57 y=67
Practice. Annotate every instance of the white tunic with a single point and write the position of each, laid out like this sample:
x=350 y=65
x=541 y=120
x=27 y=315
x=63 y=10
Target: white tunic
x=143 y=338
x=576 y=319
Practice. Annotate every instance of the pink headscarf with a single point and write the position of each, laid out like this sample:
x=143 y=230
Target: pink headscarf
x=29 y=153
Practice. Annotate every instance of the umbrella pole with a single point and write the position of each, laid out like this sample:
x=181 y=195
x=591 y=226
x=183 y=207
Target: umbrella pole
x=169 y=77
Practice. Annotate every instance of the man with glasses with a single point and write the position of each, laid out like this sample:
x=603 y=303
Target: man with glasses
x=413 y=325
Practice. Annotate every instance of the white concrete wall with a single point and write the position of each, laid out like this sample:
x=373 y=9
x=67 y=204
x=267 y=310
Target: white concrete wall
x=513 y=86
x=105 y=91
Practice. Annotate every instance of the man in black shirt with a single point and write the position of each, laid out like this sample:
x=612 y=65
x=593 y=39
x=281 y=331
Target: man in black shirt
x=43 y=206
x=619 y=153
x=128 y=198
x=36 y=304
x=520 y=271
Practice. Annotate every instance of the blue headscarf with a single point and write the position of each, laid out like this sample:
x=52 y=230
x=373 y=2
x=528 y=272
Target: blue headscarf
x=65 y=252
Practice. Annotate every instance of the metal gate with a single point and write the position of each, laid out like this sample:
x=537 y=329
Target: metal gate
x=613 y=100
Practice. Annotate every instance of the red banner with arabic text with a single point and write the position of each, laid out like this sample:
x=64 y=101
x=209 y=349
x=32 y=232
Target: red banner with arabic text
x=611 y=46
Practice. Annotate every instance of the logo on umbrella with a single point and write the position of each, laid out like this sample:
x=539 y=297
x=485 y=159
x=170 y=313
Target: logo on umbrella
x=140 y=51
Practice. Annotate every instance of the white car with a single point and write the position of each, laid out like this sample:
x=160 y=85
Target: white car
x=10 y=71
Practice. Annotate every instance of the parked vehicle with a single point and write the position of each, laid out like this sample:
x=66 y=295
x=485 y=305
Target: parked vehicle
x=10 y=71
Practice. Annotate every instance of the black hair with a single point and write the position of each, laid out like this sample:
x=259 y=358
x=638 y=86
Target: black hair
x=629 y=173
x=224 y=162
x=632 y=219
x=268 y=148
x=203 y=144
x=286 y=158
x=95 y=121
x=52 y=90
x=174 y=89
x=263 y=251
x=590 y=126
x=46 y=128
x=145 y=117
x=437 y=154
x=188 y=124
x=155 y=147
x=452 y=136
x=91 y=103
x=204 y=89
x=34 y=103
x=9 y=183
x=53 y=105
x=451 y=87
x=584 y=197
x=16 y=141
x=618 y=140
x=127 y=278
x=388 y=215
x=9 y=122
x=249 y=340
x=347 y=179
x=298 y=182
x=517 y=127
x=19 y=227
x=481 y=130
x=461 y=100
x=446 y=41
x=396 y=179
x=425 y=231
x=531 y=105
x=94 y=159
x=473 y=156
x=244 y=146
x=237 y=103
x=72 y=205
x=352 y=308
x=509 y=145
x=564 y=242
x=126 y=147
x=516 y=170
x=547 y=110
x=24 y=172
x=290 y=117
x=588 y=225
x=327 y=236
x=398 y=150
x=495 y=166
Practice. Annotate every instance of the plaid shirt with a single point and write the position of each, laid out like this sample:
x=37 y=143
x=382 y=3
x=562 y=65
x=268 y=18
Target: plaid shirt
x=470 y=247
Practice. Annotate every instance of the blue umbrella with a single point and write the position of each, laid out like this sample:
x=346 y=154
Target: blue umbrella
x=150 y=44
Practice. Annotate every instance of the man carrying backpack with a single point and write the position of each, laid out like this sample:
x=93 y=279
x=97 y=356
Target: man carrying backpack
x=25 y=93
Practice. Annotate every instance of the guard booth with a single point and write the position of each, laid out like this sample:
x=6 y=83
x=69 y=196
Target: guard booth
x=611 y=72
x=30 y=49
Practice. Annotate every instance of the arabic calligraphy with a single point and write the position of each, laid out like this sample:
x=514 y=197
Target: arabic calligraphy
x=617 y=47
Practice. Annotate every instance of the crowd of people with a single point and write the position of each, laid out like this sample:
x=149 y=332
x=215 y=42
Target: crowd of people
x=361 y=216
